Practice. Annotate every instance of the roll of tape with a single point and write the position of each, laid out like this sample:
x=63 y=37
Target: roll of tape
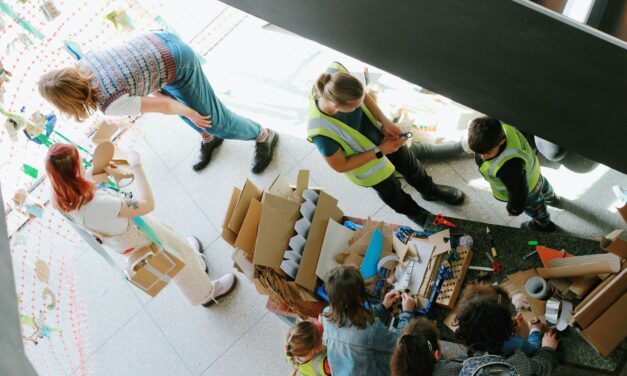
x=537 y=287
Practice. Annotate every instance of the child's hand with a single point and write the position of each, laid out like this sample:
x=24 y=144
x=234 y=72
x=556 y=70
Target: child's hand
x=536 y=323
x=409 y=303
x=390 y=298
x=550 y=339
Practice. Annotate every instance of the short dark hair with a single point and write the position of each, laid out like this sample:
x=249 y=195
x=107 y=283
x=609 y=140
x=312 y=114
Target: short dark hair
x=484 y=134
x=484 y=324
x=347 y=294
x=413 y=355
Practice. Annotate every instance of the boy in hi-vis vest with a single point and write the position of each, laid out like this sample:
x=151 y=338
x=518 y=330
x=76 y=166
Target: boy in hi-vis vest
x=509 y=164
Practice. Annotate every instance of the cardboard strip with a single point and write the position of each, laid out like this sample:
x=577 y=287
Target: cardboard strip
x=575 y=271
x=249 y=192
x=248 y=232
x=228 y=235
x=612 y=259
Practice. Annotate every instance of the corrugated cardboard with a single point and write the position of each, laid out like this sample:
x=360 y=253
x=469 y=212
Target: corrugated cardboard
x=589 y=311
x=243 y=263
x=325 y=209
x=228 y=235
x=616 y=243
x=249 y=192
x=248 y=232
x=609 y=329
x=278 y=217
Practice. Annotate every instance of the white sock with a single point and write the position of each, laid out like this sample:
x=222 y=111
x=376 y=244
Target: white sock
x=206 y=137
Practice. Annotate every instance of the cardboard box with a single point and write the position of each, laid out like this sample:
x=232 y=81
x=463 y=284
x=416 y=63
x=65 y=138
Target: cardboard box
x=616 y=243
x=609 y=329
x=227 y=234
x=249 y=192
x=247 y=236
x=151 y=269
x=243 y=263
x=276 y=227
x=325 y=209
x=604 y=297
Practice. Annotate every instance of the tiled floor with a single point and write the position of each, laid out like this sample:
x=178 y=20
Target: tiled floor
x=256 y=76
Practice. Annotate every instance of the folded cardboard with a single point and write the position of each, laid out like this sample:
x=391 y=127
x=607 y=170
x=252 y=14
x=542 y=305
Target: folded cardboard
x=616 y=243
x=610 y=328
x=276 y=227
x=227 y=234
x=325 y=210
x=335 y=241
x=243 y=263
x=589 y=310
x=151 y=269
x=249 y=192
x=247 y=236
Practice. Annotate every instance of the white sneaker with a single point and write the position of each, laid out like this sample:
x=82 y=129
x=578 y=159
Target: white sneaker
x=221 y=287
x=194 y=242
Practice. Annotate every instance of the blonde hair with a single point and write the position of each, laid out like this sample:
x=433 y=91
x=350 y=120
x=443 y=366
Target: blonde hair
x=301 y=340
x=69 y=90
x=339 y=87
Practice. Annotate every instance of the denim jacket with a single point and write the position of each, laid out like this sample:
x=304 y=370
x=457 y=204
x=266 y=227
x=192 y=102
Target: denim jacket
x=361 y=352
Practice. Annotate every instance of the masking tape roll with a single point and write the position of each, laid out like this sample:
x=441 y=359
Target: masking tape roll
x=537 y=287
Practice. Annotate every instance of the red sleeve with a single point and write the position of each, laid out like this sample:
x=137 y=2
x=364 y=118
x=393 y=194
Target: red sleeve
x=318 y=325
x=327 y=368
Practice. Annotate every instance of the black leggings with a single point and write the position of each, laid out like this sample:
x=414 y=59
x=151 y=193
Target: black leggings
x=390 y=190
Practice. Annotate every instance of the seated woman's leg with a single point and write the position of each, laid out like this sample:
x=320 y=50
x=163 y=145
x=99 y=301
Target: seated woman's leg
x=417 y=177
x=392 y=194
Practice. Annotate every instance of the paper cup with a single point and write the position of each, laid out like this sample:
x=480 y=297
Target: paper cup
x=310 y=195
x=290 y=268
x=307 y=209
x=302 y=227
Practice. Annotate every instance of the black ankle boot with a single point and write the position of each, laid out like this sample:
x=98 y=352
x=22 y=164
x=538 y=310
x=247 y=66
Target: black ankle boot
x=446 y=193
x=206 y=149
x=420 y=219
x=264 y=152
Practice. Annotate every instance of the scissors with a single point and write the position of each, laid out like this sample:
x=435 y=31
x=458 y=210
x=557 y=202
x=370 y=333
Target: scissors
x=440 y=220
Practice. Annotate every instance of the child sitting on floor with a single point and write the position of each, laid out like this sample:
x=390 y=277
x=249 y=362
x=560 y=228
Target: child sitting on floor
x=417 y=350
x=355 y=331
x=509 y=164
x=305 y=351
x=528 y=345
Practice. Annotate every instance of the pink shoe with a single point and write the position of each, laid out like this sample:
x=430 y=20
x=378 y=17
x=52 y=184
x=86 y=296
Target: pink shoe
x=221 y=287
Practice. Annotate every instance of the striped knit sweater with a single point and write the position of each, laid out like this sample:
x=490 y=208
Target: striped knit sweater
x=138 y=68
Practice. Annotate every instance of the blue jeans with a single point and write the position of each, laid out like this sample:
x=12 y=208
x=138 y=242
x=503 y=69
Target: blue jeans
x=191 y=87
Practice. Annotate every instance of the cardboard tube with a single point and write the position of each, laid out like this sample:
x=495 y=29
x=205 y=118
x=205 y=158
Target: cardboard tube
x=575 y=271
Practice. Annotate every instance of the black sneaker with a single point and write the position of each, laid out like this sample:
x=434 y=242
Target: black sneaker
x=264 y=152
x=535 y=226
x=206 y=149
x=446 y=193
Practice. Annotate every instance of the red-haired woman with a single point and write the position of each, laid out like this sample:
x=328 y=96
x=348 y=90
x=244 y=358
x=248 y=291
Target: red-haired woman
x=107 y=214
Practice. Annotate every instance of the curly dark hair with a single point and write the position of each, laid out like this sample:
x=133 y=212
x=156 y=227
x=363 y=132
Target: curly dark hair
x=414 y=353
x=484 y=324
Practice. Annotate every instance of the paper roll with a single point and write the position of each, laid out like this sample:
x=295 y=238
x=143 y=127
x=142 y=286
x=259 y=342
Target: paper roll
x=536 y=287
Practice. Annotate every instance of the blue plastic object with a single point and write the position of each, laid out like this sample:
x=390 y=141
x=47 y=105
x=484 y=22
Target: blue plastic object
x=373 y=254
x=322 y=292
x=352 y=225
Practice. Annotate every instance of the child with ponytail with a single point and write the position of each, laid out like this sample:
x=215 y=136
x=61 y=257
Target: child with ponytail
x=417 y=350
x=305 y=351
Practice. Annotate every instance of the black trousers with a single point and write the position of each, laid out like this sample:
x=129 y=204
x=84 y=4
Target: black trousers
x=390 y=190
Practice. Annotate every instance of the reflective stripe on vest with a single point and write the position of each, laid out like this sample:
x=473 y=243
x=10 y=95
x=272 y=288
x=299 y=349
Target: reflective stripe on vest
x=517 y=147
x=315 y=366
x=351 y=141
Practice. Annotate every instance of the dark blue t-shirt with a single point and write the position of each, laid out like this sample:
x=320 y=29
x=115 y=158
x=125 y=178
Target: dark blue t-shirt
x=356 y=120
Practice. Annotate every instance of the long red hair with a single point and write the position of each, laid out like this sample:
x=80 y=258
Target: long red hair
x=70 y=190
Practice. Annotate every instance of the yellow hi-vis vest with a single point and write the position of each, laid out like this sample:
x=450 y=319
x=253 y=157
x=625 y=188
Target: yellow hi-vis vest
x=351 y=141
x=315 y=365
x=517 y=147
